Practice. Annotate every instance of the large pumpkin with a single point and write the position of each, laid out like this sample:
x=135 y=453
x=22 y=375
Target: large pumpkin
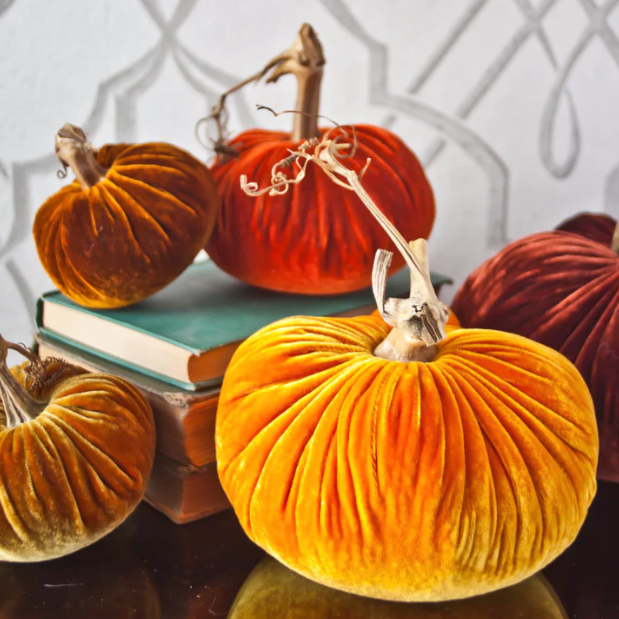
x=76 y=451
x=274 y=592
x=405 y=463
x=317 y=240
x=131 y=222
x=561 y=289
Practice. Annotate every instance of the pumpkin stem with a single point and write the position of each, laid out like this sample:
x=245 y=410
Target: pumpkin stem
x=305 y=60
x=76 y=152
x=615 y=242
x=419 y=321
x=19 y=405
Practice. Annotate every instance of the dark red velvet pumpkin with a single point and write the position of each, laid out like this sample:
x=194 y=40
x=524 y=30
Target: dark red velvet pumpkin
x=318 y=240
x=560 y=288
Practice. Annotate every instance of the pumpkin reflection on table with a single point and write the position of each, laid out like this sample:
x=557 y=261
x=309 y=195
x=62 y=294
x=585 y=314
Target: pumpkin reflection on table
x=129 y=574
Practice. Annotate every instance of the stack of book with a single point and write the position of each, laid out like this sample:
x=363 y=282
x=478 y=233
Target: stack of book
x=175 y=347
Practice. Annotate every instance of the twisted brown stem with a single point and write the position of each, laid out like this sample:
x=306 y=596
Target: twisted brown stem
x=76 y=152
x=305 y=60
x=19 y=406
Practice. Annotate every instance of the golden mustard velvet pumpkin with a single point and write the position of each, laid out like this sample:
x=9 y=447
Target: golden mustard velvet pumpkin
x=272 y=591
x=386 y=457
x=76 y=451
x=132 y=221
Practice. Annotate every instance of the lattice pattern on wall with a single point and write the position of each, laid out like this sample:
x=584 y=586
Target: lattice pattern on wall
x=509 y=103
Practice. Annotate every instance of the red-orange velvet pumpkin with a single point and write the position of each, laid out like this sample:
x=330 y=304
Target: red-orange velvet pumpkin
x=561 y=289
x=318 y=240
x=131 y=222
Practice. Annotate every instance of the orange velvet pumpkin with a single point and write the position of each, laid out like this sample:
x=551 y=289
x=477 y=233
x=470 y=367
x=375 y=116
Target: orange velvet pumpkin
x=561 y=289
x=274 y=592
x=131 y=222
x=396 y=457
x=405 y=481
x=76 y=451
x=316 y=240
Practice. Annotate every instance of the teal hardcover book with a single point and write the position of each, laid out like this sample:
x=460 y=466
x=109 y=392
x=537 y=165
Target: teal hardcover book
x=187 y=333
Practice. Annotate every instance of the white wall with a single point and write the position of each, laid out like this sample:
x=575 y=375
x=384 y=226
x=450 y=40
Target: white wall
x=511 y=104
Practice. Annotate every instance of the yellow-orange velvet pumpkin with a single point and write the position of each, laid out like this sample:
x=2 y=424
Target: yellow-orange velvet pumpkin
x=131 y=222
x=318 y=240
x=76 y=450
x=413 y=463
x=274 y=592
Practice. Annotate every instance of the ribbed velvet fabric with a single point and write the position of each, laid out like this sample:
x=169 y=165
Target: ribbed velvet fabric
x=561 y=289
x=75 y=472
x=272 y=591
x=133 y=232
x=405 y=481
x=318 y=238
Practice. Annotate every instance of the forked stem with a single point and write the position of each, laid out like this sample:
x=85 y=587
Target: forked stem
x=305 y=60
x=19 y=406
x=419 y=321
x=75 y=151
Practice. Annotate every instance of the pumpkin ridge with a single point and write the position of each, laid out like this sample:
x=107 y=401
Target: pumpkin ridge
x=517 y=454
x=485 y=440
x=483 y=374
x=127 y=219
x=76 y=275
x=7 y=502
x=159 y=192
x=514 y=407
x=596 y=319
x=447 y=392
x=87 y=471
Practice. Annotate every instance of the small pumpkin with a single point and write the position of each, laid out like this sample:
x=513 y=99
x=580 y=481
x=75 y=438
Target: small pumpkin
x=560 y=288
x=272 y=591
x=385 y=457
x=76 y=451
x=316 y=241
x=132 y=221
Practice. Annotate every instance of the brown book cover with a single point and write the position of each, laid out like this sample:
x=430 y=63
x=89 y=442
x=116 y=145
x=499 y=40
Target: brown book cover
x=185 y=493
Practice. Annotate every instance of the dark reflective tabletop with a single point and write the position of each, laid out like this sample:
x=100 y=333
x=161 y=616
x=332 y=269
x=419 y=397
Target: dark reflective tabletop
x=151 y=568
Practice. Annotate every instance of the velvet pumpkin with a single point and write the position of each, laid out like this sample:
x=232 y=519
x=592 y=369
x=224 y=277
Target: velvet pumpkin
x=131 y=222
x=395 y=458
x=76 y=451
x=274 y=592
x=561 y=289
x=317 y=240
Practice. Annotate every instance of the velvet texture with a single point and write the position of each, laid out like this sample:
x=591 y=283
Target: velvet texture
x=560 y=289
x=131 y=233
x=318 y=238
x=405 y=481
x=272 y=591
x=77 y=470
